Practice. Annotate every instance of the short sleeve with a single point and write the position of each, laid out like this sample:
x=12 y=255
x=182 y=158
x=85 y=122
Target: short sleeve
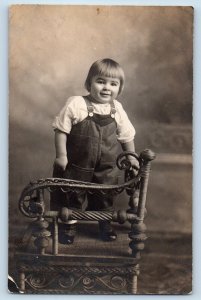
x=125 y=129
x=63 y=121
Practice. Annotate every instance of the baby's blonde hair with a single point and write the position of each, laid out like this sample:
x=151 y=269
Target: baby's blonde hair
x=108 y=68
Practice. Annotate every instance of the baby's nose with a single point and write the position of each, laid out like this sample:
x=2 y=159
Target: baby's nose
x=106 y=86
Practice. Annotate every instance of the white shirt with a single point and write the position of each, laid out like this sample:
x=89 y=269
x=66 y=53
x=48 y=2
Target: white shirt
x=75 y=110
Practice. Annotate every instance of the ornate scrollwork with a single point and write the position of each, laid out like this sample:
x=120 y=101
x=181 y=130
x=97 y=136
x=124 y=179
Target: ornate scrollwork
x=37 y=280
x=40 y=278
x=81 y=283
x=88 y=282
x=118 y=282
x=32 y=206
x=66 y=281
x=123 y=163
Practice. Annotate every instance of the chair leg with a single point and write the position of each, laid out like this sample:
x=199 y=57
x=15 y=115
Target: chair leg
x=22 y=281
x=134 y=285
x=133 y=278
x=55 y=236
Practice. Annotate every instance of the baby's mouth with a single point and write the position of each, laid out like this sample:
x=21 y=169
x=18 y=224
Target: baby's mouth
x=105 y=94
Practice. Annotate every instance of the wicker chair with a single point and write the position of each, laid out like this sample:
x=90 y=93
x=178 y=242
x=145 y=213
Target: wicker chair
x=43 y=266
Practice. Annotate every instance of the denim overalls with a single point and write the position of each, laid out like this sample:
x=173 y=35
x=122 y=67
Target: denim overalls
x=92 y=148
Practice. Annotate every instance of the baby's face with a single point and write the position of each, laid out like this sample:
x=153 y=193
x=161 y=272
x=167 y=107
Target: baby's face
x=104 y=89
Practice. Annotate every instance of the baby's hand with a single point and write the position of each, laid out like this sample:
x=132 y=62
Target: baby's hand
x=61 y=162
x=135 y=165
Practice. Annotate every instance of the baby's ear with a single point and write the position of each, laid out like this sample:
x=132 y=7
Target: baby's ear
x=87 y=86
x=121 y=87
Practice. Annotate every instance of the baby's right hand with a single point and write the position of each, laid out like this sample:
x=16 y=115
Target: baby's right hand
x=61 y=162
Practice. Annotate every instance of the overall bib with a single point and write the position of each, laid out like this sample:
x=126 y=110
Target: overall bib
x=92 y=148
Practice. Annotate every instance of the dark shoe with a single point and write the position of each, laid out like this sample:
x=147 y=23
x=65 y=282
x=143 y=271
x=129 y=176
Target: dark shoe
x=67 y=233
x=107 y=234
x=67 y=239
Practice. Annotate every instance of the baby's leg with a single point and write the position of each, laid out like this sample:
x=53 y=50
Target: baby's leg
x=107 y=174
x=74 y=200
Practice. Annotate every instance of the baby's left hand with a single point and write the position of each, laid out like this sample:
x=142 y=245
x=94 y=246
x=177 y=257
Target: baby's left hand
x=135 y=165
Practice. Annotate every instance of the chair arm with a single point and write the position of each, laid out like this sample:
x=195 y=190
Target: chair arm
x=31 y=202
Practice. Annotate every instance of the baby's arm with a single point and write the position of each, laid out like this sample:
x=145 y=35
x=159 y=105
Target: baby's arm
x=130 y=146
x=61 y=152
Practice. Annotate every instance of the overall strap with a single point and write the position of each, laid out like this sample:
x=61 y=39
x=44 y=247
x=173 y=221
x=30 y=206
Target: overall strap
x=113 y=110
x=90 y=108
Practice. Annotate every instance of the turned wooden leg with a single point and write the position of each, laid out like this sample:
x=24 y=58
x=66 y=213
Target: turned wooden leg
x=134 y=285
x=137 y=234
x=138 y=237
x=41 y=234
x=138 y=228
x=55 y=236
x=132 y=281
x=22 y=281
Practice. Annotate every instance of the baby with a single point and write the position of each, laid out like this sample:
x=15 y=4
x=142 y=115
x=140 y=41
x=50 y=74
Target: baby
x=87 y=132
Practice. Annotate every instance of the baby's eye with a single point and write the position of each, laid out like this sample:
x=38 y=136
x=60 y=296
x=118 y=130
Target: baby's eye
x=114 y=84
x=100 y=81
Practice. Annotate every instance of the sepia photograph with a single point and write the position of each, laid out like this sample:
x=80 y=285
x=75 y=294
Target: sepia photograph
x=100 y=149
